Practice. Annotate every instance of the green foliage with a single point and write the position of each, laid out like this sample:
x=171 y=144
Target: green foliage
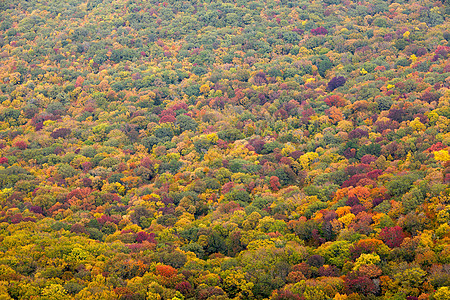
x=66 y=170
x=183 y=150
x=401 y=185
x=186 y=123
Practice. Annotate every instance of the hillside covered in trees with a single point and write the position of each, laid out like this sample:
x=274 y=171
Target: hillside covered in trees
x=224 y=150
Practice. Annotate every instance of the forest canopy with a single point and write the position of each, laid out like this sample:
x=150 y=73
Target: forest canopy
x=224 y=150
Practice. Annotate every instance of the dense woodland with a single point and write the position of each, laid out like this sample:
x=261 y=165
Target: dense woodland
x=224 y=150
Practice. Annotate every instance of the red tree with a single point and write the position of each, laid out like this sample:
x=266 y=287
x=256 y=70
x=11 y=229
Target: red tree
x=392 y=236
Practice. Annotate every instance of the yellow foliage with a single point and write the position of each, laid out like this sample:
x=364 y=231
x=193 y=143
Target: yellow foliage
x=49 y=122
x=433 y=117
x=443 y=230
x=173 y=155
x=212 y=137
x=367 y=259
x=235 y=284
x=340 y=297
x=54 y=292
x=442 y=293
x=306 y=159
x=4 y=291
x=253 y=245
x=239 y=151
x=417 y=125
x=443 y=124
x=426 y=239
x=442 y=155
x=347 y=219
x=342 y=211
x=204 y=89
x=287 y=149
x=345 y=125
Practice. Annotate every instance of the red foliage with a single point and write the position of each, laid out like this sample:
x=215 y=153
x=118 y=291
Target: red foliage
x=353 y=181
x=285 y=295
x=222 y=144
x=349 y=153
x=364 y=246
x=442 y=50
x=304 y=268
x=381 y=126
x=436 y=147
x=392 y=236
x=368 y=159
x=227 y=187
x=447 y=178
x=260 y=79
x=144 y=236
x=78 y=228
x=229 y=207
x=3 y=160
x=374 y=174
x=79 y=193
x=286 y=161
x=179 y=106
x=336 y=82
x=296 y=154
x=86 y=166
x=166 y=271
x=295 y=276
x=319 y=31
x=358 y=283
x=209 y=292
x=79 y=81
x=281 y=113
x=37 y=210
x=257 y=144
x=274 y=182
x=184 y=287
x=328 y=271
x=17 y=218
x=357 y=134
x=167 y=119
x=356 y=169
x=430 y=97
x=60 y=133
x=335 y=100
x=22 y=145
x=315 y=260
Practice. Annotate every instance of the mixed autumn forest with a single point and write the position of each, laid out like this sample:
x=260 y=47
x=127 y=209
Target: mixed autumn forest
x=232 y=149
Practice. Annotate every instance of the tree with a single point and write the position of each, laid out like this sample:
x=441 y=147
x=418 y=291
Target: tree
x=392 y=236
x=186 y=123
x=54 y=292
x=442 y=293
x=66 y=170
x=357 y=283
x=336 y=82
x=274 y=183
x=319 y=31
x=60 y=133
x=236 y=286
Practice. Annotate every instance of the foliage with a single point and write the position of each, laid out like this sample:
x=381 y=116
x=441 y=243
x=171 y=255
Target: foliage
x=232 y=149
